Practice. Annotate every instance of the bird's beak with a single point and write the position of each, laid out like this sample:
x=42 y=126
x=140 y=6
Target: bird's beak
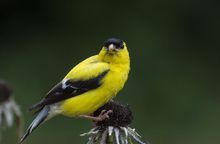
x=111 y=47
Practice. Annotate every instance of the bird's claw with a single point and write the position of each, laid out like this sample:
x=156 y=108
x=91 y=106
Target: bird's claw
x=101 y=117
x=104 y=115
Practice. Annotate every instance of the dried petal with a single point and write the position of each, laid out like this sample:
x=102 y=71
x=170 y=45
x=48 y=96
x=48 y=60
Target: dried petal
x=116 y=130
x=135 y=136
x=104 y=137
x=16 y=108
x=110 y=130
x=8 y=113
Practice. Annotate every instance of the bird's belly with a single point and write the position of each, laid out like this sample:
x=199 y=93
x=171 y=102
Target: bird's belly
x=90 y=101
x=86 y=103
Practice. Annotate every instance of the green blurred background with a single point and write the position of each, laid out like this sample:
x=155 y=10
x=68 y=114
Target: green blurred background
x=174 y=84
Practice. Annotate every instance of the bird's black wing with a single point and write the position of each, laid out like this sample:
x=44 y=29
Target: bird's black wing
x=67 y=89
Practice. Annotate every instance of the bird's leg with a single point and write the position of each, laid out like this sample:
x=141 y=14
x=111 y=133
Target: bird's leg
x=102 y=116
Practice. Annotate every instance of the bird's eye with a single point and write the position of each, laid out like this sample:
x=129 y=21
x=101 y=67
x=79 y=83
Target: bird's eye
x=121 y=46
x=117 y=42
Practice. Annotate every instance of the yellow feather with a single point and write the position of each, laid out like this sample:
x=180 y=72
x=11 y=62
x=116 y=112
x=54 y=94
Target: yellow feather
x=87 y=69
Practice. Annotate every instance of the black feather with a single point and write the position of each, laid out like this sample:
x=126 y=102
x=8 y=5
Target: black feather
x=67 y=89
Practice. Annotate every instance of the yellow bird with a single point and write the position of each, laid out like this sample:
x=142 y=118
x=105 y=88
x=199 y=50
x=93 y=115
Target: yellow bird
x=87 y=87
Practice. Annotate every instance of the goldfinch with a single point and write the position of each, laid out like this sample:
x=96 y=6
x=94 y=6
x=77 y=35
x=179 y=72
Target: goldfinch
x=87 y=87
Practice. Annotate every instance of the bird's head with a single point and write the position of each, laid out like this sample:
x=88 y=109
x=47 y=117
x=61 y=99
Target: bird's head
x=114 y=51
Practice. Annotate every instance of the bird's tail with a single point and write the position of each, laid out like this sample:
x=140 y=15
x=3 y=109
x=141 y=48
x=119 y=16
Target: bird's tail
x=41 y=117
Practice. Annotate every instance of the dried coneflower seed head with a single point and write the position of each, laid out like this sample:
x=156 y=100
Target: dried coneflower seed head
x=120 y=117
x=5 y=91
x=114 y=130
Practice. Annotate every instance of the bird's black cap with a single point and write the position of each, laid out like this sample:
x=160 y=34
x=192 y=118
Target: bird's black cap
x=117 y=42
x=5 y=91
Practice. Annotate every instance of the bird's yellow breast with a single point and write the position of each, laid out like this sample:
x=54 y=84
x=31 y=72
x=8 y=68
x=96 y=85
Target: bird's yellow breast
x=90 y=101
